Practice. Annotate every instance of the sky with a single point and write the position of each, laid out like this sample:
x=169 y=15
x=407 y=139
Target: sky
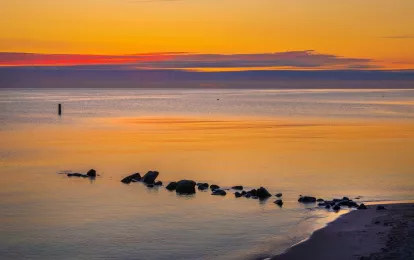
x=216 y=35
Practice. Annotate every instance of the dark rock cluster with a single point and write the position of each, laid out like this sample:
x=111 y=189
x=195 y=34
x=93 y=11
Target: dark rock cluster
x=188 y=187
x=148 y=179
x=334 y=204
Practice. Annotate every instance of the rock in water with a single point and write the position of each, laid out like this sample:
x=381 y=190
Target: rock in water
x=134 y=177
x=237 y=187
x=307 y=199
x=348 y=203
x=74 y=174
x=219 y=192
x=150 y=177
x=185 y=187
x=91 y=173
x=158 y=183
x=253 y=192
x=279 y=195
x=279 y=202
x=379 y=207
x=214 y=187
x=150 y=185
x=362 y=206
x=203 y=186
x=320 y=200
x=237 y=194
x=262 y=193
x=352 y=204
x=171 y=186
x=336 y=208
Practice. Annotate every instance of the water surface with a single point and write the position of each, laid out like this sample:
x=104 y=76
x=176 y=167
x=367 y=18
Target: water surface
x=325 y=143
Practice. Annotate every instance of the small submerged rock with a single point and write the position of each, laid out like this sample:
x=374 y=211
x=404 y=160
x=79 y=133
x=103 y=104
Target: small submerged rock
x=320 y=200
x=136 y=177
x=237 y=187
x=380 y=207
x=158 y=183
x=307 y=199
x=336 y=208
x=219 y=192
x=150 y=185
x=90 y=174
x=171 y=186
x=214 y=187
x=279 y=195
x=74 y=175
x=279 y=202
x=348 y=203
x=362 y=206
x=202 y=186
x=237 y=194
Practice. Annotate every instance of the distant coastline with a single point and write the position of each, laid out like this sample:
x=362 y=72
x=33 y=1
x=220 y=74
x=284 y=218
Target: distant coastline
x=108 y=77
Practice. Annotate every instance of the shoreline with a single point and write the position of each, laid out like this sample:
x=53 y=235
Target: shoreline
x=361 y=234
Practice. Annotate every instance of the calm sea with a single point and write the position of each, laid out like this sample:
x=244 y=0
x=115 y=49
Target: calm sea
x=325 y=143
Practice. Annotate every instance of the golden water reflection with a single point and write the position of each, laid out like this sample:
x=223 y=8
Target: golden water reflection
x=241 y=150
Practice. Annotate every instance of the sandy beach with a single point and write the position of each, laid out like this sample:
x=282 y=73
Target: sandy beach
x=362 y=234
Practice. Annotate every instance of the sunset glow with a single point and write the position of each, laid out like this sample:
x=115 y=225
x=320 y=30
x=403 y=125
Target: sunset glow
x=366 y=34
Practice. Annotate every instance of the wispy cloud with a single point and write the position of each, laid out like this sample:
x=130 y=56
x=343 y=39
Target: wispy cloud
x=291 y=59
x=407 y=36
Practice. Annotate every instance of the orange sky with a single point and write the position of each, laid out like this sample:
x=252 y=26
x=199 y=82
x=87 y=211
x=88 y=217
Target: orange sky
x=380 y=30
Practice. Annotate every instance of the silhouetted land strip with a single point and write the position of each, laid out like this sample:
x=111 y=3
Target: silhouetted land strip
x=102 y=77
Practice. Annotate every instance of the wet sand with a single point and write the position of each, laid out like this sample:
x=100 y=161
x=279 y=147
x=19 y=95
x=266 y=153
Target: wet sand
x=362 y=234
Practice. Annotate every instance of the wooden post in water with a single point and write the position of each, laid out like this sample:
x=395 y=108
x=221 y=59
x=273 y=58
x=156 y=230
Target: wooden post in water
x=60 y=109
